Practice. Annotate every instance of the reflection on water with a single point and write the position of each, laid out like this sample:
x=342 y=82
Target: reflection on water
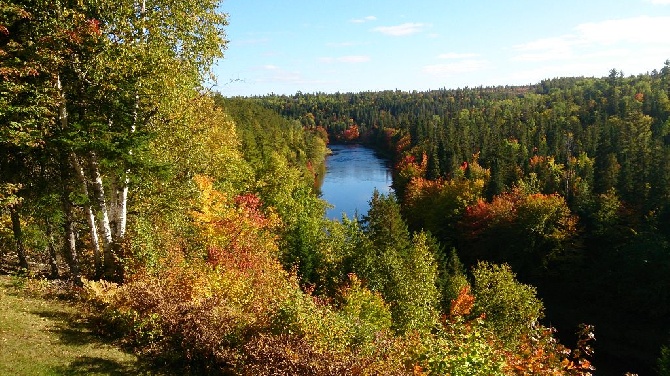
x=352 y=174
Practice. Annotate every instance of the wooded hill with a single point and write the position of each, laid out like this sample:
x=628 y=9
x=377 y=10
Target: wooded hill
x=568 y=181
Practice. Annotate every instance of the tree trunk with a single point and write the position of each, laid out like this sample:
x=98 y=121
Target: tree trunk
x=18 y=238
x=70 y=245
x=51 y=251
x=122 y=209
x=110 y=259
x=95 y=242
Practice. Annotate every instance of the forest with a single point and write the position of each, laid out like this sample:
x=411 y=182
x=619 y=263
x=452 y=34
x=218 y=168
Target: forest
x=188 y=224
x=567 y=181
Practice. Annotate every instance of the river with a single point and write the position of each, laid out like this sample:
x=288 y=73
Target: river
x=352 y=174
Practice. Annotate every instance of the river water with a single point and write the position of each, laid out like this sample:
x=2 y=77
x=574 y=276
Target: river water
x=352 y=174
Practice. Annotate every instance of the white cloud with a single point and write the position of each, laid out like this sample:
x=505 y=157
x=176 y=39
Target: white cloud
x=642 y=30
x=346 y=59
x=454 y=55
x=546 y=49
x=364 y=19
x=408 y=28
x=589 y=37
x=449 y=69
x=659 y=2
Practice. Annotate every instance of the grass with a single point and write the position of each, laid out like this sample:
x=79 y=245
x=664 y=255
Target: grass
x=48 y=336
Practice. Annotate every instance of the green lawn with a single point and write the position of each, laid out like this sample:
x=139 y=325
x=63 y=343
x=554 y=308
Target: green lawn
x=40 y=336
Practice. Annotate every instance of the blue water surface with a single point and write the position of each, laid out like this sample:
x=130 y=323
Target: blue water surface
x=352 y=174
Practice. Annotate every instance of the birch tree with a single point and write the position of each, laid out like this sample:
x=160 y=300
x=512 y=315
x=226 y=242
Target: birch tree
x=113 y=72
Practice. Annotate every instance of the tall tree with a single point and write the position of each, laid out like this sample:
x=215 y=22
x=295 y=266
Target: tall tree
x=106 y=73
x=399 y=266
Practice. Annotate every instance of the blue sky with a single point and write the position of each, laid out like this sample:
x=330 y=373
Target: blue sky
x=367 y=45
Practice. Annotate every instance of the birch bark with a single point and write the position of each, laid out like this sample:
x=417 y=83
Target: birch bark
x=90 y=214
x=109 y=258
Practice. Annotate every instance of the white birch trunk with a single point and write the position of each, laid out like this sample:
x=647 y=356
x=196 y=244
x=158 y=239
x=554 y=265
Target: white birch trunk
x=118 y=207
x=122 y=209
x=70 y=240
x=95 y=241
x=109 y=261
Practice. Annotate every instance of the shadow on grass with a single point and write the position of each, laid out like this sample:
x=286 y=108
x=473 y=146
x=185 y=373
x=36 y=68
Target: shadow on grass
x=71 y=328
x=74 y=329
x=98 y=366
x=86 y=365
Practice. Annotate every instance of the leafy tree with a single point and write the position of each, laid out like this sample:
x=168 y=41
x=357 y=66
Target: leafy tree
x=526 y=230
x=8 y=199
x=400 y=267
x=104 y=75
x=511 y=308
x=204 y=142
x=366 y=310
x=437 y=205
x=452 y=279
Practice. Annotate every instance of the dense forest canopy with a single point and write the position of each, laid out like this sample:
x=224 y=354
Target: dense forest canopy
x=189 y=226
x=568 y=181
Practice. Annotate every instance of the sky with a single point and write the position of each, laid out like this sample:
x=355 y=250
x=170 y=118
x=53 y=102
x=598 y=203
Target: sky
x=329 y=46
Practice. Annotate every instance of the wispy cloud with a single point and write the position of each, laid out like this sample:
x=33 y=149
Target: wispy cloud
x=364 y=19
x=408 y=28
x=615 y=34
x=274 y=73
x=346 y=59
x=277 y=76
x=546 y=49
x=344 y=44
x=450 y=69
x=354 y=59
x=658 y=2
x=454 y=55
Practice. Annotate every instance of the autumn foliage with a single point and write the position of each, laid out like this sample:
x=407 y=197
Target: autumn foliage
x=225 y=261
x=521 y=228
x=220 y=302
x=351 y=133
